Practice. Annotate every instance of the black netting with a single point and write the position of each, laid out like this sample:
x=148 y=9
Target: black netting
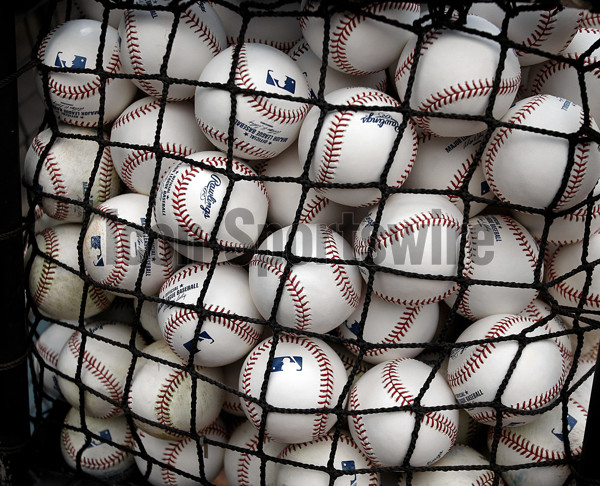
x=166 y=266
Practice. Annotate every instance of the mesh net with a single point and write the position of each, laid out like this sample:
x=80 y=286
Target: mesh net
x=395 y=273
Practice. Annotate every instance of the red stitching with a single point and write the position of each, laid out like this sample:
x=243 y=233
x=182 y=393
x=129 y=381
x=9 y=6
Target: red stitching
x=283 y=46
x=301 y=48
x=570 y=294
x=242 y=329
x=342 y=281
x=105 y=177
x=121 y=265
x=184 y=273
x=100 y=372
x=46 y=276
x=262 y=104
x=198 y=26
x=171 y=452
x=244 y=461
x=312 y=207
x=132 y=114
x=293 y=286
x=164 y=397
x=48 y=355
x=517 y=231
x=59 y=187
x=326 y=395
x=358 y=424
x=543 y=30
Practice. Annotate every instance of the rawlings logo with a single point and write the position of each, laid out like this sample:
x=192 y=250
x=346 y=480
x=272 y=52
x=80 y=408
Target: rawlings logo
x=207 y=196
x=381 y=119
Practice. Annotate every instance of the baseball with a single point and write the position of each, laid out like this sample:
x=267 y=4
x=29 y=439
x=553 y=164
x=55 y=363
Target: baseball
x=502 y=250
x=57 y=291
x=144 y=36
x=115 y=249
x=348 y=138
x=91 y=9
x=446 y=163
x=190 y=199
x=568 y=291
x=417 y=233
x=549 y=30
x=281 y=30
x=48 y=347
x=476 y=371
x=182 y=455
x=160 y=396
x=75 y=96
x=264 y=126
x=468 y=63
x=316 y=296
x=541 y=441
x=387 y=323
x=560 y=79
x=359 y=43
x=284 y=196
x=583 y=380
x=384 y=437
x=224 y=334
x=231 y=378
x=66 y=168
x=517 y=178
x=566 y=228
x=354 y=367
x=100 y=458
x=310 y=65
x=148 y=315
x=305 y=373
x=588 y=20
x=458 y=456
x=138 y=125
x=244 y=468
x=106 y=362
x=347 y=459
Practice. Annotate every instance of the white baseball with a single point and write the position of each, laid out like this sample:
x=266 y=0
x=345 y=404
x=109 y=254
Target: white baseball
x=190 y=198
x=91 y=9
x=160 y=396
x=347 y=139
x=502 y=250
x=138 y=125
x=284 y=197
x=305 y=373
x=182 y=455
x=541 y=441
x=393 y=384
x=264 y=126
x=244 y=468
x=354 y=367
x=149 y=318
x=113 y=251
x=347 y=458
x=310 y=65
x=476 y=371
x=465 y=87
x=555 y=77
x=359 y=43
x=48 y=346
x=75 y=96
x=445 y=163
x=224 y=332
x=100 y=458
x=106 y=362
x=66 y=170
x=199 y=36
x=565 y=228
x=458 y=456
x=58 y=291
x=588 y=19
x=418 y=233
x=316 y=296
x=387 y=323
x=280 y=31
x=568 y=292
x=583 y=380
x=549 y=30
x=517 y=178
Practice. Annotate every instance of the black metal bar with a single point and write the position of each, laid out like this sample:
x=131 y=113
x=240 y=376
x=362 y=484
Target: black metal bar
x=588 y=470
x=14 y=399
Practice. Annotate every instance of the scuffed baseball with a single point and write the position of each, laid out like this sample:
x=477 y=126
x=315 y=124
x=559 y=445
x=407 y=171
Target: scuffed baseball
x=48 y=347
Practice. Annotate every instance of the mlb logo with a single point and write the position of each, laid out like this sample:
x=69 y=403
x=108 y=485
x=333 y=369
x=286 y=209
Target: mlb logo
x=204 y=336
x=96 y=244
x=485 y=188
x=105 y=434
x=287 y=363
x=78 y=62
x=287 y=84
x=571 y=423
x=353 y=328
